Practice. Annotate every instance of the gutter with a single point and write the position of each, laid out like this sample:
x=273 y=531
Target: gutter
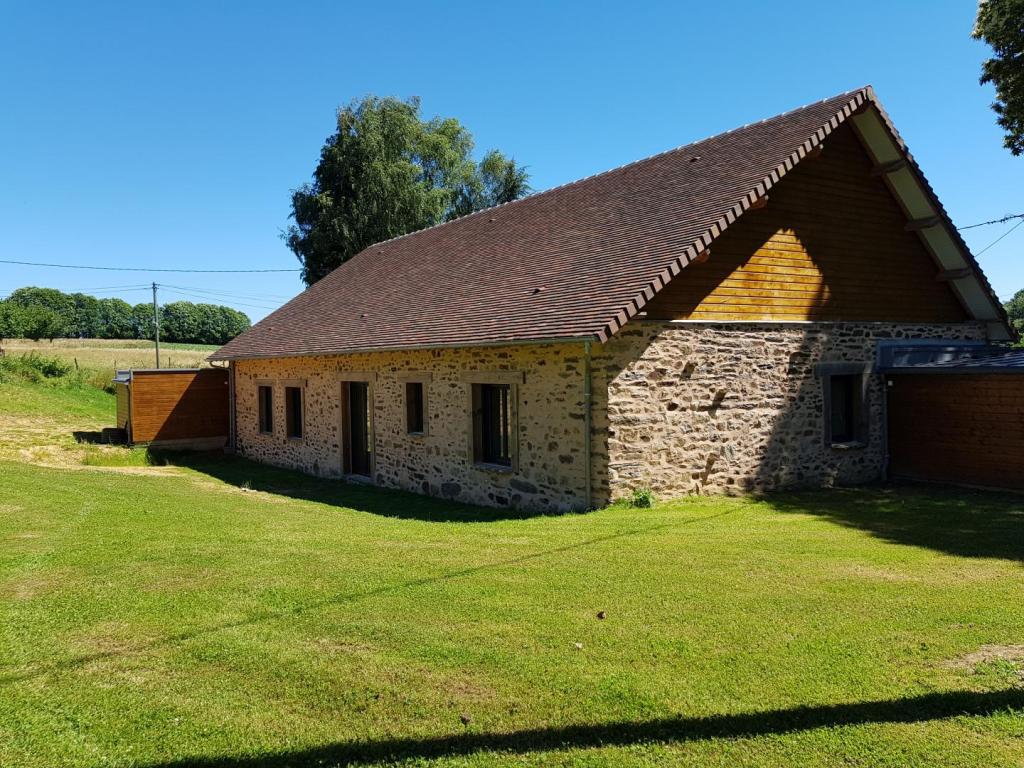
x=587 y=399
x=232 y=420
x=407 y=348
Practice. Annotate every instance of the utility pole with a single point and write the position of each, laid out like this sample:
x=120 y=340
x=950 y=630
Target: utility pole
x=156 y=326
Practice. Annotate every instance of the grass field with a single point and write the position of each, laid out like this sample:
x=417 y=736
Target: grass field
x=221 y=613
x=108 y=354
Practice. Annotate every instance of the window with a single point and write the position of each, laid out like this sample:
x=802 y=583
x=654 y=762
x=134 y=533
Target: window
x=415 y=408
x=844 y=386
x=293 y=411
x=492 y=424
x=265 y=395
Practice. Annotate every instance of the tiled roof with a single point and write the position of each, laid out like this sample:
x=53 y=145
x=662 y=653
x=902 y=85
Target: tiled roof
x=575 y=261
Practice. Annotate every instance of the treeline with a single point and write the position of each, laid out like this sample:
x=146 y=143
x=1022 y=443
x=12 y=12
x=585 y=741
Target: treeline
x=46 y=313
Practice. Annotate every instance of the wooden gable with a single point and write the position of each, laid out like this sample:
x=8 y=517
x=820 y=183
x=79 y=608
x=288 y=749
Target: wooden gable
x=831 y=244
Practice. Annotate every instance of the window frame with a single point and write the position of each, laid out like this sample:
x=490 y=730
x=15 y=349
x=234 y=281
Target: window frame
x=300 y=387
x=269 y=386
x=423 y=379
x=861 y=380
x=415 y=408
x=342 y=379
x=477 y=380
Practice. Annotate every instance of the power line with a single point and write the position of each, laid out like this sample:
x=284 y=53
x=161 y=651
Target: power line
x=233 y=294
x=1000 y=237
x=142 y=269
x=197 y=296
x=995 y=221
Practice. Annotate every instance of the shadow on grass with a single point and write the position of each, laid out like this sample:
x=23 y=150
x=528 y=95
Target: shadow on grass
x=952 y=520
x=933 y=706
x=386 y=502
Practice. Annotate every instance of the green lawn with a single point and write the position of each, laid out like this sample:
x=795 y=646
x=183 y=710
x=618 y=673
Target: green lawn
x=220 y=613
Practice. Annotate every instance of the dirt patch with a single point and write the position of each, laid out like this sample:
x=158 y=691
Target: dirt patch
x=861 y=571
x=987 y=654
x=29 y=587
x=110 y=639
x=334 y=645
x=464 y=691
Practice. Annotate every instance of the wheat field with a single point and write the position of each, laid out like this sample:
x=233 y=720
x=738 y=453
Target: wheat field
x=111 y=354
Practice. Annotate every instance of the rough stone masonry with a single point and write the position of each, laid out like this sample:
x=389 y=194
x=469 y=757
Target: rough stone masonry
x=678 y=407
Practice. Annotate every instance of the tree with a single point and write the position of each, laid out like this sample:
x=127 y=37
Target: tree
x=86 y=321
x=1000 y=23
x=59 y=304
x=142 y=321
x=386 y=172
x=498 y=180
x=1015 y=311
x=39 y=322
x=116 y=319
x=12 y=321
x=179 y=321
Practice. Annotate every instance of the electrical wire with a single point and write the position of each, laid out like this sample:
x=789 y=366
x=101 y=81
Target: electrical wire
x=197 y=296
x=995 y=221
x=1000 y=237
x=143 y=269
x=231 y=294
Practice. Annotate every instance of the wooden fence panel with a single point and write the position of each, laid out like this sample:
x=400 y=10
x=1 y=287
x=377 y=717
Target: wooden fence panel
x=179 y=405
x=958 y=428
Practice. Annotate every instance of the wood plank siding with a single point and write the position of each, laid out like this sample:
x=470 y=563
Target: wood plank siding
x=958 y=428
x=179 y=405
x=121 y=397
x=831 y=244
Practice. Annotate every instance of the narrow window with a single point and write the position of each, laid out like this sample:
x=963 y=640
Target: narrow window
x=415 y=407
x=265 y=395
x=293 y=411
x=492 y=424
x=845 y=408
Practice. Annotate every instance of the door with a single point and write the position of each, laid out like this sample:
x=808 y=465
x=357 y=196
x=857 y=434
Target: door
x=359 y=428
x=957 y=428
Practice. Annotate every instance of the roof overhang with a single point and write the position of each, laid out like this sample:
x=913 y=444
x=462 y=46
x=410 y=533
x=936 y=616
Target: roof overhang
x=908 y=185
x=415 y=347
x=921 y=205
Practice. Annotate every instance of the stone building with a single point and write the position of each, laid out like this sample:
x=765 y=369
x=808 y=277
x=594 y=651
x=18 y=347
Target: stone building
x=704 y=320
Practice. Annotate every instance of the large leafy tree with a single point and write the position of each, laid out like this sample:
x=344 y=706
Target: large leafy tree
x=46 y=313
x=116 y=319
x=61 y=305
x=1001 y=24
x=86 y=320
x=386 y=172
x=39 y=322
x=1015 y=311
x=12 y=321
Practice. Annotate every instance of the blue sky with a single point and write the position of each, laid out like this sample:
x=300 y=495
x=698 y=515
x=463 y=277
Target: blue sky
x=154 y=135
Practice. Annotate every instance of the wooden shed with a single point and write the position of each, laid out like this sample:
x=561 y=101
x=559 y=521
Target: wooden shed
x=173 y=407
x=958 y=420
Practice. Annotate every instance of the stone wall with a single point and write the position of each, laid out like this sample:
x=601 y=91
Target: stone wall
x=713 y=407
x=550 y=473
x=679 y=407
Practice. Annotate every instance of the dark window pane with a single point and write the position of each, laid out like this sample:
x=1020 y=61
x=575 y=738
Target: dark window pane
x=359 y=428
x=293 y=411
x=414 y=407
x=266 y=406
x=844 y=394
x=495 y=424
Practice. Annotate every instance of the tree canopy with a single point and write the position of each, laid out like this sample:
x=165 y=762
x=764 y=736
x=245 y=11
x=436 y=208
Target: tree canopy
x=1000 y=23
x=386 y=172
x=47 y=313
x=1015 y=311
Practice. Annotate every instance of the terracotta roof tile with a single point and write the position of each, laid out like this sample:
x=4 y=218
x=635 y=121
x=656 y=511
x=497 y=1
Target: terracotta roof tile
x=574 y=261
